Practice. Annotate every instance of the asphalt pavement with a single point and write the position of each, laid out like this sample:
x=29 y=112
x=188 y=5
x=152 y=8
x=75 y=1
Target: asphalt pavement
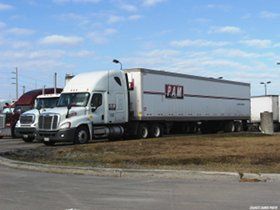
x=20 y=189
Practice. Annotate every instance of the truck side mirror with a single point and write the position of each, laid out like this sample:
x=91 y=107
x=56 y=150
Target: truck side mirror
x=39 y=107
x=69 y=106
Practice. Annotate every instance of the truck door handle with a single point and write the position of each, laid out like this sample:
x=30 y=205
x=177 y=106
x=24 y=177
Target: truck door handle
x=102 y=117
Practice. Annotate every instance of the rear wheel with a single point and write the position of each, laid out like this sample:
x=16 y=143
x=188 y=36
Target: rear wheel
x=156 y=131
x=237 y=127
x=229 y=127
x=142 y=131
x=81 y=135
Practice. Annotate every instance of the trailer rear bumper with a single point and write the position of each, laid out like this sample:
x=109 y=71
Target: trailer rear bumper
x=65 y=135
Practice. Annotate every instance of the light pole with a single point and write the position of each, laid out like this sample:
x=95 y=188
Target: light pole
x=117 y=61
x=265 y=86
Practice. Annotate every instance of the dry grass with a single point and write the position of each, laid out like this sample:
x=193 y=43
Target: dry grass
x=220 y=152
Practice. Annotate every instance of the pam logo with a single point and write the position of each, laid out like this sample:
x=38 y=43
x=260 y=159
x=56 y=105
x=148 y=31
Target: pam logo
x=174 y=91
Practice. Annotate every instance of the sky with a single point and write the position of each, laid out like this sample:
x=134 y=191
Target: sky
x=237 y=40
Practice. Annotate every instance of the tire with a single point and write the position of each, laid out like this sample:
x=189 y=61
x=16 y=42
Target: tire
x=156 y=131
x=81 y=135
x=237 y=127
x=204 y=129
x=142 y=131
x=28 y=139
x=13 y=134
x=192 y=128
x=49 y=143
x=229 y=127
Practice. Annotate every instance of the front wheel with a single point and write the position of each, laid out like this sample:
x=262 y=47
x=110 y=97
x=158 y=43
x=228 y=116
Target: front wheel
x=28 y=139
x=81 y=135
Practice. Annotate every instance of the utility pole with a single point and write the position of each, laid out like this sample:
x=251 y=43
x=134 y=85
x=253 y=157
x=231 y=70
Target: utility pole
x=23 y=89
x=15 y=79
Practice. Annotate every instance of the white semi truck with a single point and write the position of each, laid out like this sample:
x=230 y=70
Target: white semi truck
x=27 y=124
x=143 y=103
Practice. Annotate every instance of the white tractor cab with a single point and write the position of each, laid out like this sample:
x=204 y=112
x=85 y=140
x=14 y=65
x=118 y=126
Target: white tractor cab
x=27 y=124
x=92 y=105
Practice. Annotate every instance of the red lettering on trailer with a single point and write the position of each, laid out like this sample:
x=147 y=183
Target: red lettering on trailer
x=174 y=91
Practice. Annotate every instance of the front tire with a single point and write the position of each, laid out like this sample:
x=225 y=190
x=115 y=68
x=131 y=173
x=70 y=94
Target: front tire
x=28 y=139
x=81 y=135
x=13 y=134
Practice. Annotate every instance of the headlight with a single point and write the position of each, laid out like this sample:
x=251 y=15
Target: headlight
x=65 y=125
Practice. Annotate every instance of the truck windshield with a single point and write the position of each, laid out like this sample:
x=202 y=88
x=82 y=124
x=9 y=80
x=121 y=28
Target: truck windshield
x=73 y=99
x=46 y=102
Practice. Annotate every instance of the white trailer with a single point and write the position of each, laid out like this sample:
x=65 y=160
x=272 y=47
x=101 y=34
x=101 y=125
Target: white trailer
x=266 y=103
x=145 y=103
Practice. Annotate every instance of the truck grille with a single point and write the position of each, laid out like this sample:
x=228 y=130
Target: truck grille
x=48 y=122
x=26 y=119
x=2 y=121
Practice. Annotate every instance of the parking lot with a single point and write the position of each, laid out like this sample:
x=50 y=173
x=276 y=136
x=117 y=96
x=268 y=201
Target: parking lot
x=20 y=189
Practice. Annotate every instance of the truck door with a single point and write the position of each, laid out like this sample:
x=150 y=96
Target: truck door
x=97 y=108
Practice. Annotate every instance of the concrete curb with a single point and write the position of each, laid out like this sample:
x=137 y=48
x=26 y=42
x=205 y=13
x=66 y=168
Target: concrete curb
x=118 y=172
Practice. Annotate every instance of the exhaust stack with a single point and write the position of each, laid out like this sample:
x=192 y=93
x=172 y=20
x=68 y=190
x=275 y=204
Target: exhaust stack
x=55 y=83
x=68 y=77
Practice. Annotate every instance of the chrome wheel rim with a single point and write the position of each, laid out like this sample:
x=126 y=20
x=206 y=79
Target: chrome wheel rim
x=157 y=131
x=144 y=132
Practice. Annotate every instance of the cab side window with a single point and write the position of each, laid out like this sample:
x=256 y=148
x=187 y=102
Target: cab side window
x=96 y=100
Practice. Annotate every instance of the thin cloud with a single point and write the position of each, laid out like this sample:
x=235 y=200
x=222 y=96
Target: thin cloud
x=5 y=7
x=218 y=6
x=101 y=37
x=20 y=31
x=150 y=3
x=226 y=30
x=198 y=43
x=237 y=53
x=134 y=17
x=75 y=1
x=258 y=43
x=269 y=15
x=61 y=40
x=115 y=19
x=128 y=7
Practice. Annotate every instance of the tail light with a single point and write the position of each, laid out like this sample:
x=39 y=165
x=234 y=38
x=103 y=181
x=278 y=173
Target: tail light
x=131 y=85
